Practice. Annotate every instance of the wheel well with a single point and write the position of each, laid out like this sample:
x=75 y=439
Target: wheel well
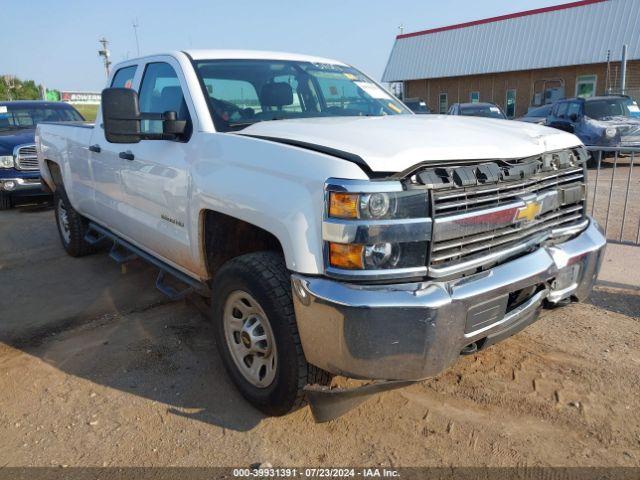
x=227 y=237
x=56 y=174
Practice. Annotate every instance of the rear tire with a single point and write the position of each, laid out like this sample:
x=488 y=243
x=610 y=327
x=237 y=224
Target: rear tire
x=72 y=227
x=5 y=202
x=255 y=322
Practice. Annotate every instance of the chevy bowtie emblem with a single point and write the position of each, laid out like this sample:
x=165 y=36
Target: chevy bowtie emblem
x=529 y=212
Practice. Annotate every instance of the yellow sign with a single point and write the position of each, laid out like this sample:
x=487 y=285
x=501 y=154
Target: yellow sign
x=529 y=212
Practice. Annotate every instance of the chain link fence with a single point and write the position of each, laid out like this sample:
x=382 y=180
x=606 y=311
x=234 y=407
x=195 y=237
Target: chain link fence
x=614 y=192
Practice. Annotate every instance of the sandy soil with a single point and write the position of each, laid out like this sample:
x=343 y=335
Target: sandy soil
x=128 y=379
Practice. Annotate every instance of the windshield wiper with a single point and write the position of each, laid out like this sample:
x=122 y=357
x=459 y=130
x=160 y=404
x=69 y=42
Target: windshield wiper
x=248 y=123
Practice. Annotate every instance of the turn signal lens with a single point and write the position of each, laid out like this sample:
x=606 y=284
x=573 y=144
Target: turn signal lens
x=346 y=256
x=343 y=205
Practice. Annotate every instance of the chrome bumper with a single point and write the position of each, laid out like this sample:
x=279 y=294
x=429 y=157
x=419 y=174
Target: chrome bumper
x=413 y=331
x=20 y=185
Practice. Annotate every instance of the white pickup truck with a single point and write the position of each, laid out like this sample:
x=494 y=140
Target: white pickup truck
x=334 y=231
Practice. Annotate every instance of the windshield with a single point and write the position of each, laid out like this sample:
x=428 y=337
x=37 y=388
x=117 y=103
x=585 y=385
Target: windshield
x=611 y=107
x=491 y=111
x=244 y=92
x=14 y=117
x=539 y=112
x=417 y=106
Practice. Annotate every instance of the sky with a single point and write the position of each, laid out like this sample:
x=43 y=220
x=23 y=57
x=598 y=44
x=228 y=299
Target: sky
x=55 y=42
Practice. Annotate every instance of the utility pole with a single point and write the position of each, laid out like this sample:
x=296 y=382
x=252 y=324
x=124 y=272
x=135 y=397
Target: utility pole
x=135 y=32
x=623 y=71
x=105 y=54
x=9 y=81
x=401 y=28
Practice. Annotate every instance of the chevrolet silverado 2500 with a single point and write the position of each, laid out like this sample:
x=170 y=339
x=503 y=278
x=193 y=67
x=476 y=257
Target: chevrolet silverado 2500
x=334 y=231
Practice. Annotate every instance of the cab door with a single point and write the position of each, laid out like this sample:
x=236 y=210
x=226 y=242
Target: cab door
x=153 y=173
x=105 y=164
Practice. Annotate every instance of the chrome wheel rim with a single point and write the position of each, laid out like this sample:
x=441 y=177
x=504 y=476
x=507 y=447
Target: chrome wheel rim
x=63 y=222
x=250 y=339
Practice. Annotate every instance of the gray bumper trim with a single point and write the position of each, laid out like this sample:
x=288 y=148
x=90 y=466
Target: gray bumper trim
x=415 y=330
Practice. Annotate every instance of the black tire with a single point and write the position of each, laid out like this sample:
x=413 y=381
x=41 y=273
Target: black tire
x=5 y=202
x=73 y=241
x=265 y=277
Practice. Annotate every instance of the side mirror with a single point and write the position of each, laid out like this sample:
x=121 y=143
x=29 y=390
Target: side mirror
x=122 y=119
x=573 y=117
x=121 y=115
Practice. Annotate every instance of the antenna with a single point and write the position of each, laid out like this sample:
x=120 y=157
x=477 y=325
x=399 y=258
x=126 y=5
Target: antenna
x=135 y=32
x=401 y=28
x=105 y=54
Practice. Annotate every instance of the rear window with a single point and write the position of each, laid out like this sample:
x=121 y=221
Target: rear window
x=477 y=110
x=539 y=112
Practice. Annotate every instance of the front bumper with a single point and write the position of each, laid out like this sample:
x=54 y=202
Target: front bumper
x=21 y=186
x=414 y=331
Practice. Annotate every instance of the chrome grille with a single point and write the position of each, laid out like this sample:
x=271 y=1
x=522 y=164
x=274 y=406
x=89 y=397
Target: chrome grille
x=26 y=157
x=464 y=236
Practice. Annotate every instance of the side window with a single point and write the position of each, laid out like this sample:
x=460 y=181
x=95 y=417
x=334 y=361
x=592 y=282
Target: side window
x=160 y=92
x=562 y=109
x=124 y=77
x=574 y=109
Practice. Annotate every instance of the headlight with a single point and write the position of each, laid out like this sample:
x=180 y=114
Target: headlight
x=610 y=132
x=375 y=234
x=378 y=205
x=6 y=161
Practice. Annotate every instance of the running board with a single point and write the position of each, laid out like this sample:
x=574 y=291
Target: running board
x=94 y=238
x=123 y=251
x=121 y=254
x=328 y=403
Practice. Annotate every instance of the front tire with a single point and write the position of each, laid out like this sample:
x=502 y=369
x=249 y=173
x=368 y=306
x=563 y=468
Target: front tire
x=5 y=202
x=257 y=335
x=72 y=227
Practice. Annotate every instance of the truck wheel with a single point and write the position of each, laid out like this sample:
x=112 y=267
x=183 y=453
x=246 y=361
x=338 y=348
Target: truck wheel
x=257 y=335
x=5 y=202
x=72 y=227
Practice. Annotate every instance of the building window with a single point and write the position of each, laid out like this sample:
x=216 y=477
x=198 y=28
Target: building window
x=510 y=107
x=586 y=86
x=474 y=97
x=443 y=104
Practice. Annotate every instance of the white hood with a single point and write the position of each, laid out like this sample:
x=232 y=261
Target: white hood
x=396 y=143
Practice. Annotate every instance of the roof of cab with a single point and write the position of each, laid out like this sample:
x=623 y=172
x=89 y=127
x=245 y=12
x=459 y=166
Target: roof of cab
x=256 y=55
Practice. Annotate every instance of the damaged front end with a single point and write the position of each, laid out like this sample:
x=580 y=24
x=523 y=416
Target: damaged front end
x=618 y=131
x=495 y=242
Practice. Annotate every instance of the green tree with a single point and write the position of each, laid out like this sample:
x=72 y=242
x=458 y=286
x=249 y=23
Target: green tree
x=13 y=88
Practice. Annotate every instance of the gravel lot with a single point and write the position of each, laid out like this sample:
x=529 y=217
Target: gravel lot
x=96 y=368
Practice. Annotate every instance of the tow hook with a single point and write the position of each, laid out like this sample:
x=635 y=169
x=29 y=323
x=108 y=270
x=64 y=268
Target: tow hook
x=328 y=403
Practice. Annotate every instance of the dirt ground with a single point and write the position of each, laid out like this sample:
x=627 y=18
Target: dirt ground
x=96 y=368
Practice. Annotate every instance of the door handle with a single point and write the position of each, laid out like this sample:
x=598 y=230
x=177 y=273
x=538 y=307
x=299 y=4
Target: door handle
x=95 y=148
x=127 y=155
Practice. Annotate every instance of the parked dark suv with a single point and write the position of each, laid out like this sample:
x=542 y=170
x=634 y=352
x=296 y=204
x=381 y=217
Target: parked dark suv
x=610 y=121
x=19 y=173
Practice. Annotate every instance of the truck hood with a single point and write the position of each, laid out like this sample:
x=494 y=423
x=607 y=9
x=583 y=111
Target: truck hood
x=396 y=143
x=13 y=138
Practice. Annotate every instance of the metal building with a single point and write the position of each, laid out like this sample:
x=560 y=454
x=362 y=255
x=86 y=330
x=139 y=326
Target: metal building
x=522 y=59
